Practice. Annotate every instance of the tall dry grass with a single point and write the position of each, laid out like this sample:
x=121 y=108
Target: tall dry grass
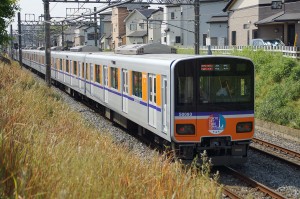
x=48 y=151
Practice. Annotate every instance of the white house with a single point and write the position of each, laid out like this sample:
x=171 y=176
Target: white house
x=143 y=26
x=178 y=24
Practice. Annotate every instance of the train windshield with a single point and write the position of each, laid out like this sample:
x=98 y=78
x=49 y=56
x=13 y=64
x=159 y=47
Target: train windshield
x=227 y=83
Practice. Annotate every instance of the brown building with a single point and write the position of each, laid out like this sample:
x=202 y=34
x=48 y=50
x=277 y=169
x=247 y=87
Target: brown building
x=119 y=13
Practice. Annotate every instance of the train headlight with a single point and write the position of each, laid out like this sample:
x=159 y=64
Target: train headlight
x=185 y=129
x=244 y=127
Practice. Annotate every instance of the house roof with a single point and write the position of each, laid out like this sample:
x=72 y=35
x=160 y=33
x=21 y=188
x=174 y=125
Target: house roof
x=229 y=4
x=269 y=19
x=218 y=19
x=138 y=34
x=104 y=36
x=279 y=17
x=105 y=13
x=145 y=12
x=289 y=17
x=107 y=18
x=131 y=6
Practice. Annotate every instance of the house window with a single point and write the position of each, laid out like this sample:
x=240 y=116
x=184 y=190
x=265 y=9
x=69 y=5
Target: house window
x=165 y=39
x=177 y=39
x=114 y=78
x=172 y=15
x=97 y=73
x=132 y=27
x=246 y=26
x=276 y=5
x=91 y=36
x=141 y=25
x=233 y=38
x=254 y=34
x=204 y=39
x=137 y=84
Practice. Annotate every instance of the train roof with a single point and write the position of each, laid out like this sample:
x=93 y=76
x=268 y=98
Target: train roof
x=113 y=55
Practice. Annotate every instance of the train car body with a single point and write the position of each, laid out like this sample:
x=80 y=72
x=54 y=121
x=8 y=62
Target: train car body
x=194 y=103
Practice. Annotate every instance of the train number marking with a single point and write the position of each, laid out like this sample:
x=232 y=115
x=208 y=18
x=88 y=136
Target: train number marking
x=185 y=114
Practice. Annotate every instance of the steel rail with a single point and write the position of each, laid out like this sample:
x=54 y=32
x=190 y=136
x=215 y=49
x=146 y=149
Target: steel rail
x=255 y=184
x=227 y=192
x=287 y=151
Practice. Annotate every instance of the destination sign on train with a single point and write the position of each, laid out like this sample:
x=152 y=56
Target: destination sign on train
x=215 y=67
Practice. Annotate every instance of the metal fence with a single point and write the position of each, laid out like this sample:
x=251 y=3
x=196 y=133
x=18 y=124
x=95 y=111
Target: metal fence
x=287 y=51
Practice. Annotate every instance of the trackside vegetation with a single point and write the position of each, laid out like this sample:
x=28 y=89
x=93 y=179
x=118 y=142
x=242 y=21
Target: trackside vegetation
x=277 y=86
x=49 y=151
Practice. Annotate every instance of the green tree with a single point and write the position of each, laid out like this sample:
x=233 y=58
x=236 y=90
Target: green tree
x=7 y=12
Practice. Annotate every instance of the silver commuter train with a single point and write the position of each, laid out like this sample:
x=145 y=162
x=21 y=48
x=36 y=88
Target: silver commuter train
x=171 y=95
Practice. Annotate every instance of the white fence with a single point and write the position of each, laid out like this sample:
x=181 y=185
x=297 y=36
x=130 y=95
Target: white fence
x=287 y=51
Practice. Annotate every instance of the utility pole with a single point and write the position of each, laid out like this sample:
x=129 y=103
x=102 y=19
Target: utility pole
x=197 y=25
x=95 y=26
x=20 y=39
x=11 y=42
x=47 y=40
x=62 y=34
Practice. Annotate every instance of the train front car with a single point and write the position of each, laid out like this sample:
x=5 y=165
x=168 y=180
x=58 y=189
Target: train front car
x=213 y=108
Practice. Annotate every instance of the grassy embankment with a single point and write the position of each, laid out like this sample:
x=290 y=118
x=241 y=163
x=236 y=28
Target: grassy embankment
x=277 y=86
x=48 y=151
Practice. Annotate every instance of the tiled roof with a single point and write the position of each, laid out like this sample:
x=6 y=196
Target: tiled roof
x=138 y=34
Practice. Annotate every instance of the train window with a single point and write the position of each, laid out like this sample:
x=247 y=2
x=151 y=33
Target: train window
x=67 y=66
x=87 y=71
x=137 y=84
x=82 y=71
x=75 y=67
x=224 y=89
x=114 y=77
x=52 y=62
x=185 y=90
x=60 y=64
x=97 y=73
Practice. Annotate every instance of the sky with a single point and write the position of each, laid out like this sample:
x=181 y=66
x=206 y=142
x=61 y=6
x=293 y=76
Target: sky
x=36 y=7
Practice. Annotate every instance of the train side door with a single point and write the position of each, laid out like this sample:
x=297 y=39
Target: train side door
x=152 y=101
x=71 y=72
x=85 y=77
x=91 y=79
x=55 y=69
x=164 y=104
x=125 y=91
x=105 y=79
x=81 y=75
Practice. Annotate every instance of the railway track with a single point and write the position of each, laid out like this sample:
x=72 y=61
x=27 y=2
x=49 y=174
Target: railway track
x=266 y=191
x=285 y=155
x=277 y=152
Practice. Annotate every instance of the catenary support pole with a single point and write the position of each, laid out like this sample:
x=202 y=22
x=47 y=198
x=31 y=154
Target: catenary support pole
x=95 y=26
x=63 y=36
x=20 y=39
x=11 y=42
x=47 y=40
x=197 y=26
